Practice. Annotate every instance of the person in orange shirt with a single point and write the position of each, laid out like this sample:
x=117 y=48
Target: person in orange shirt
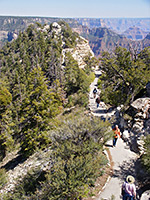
x=116 y=135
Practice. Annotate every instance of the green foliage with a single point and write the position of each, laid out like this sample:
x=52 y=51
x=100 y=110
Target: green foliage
x=122 y=77
x=146 y=155
x=6 y=140
x=79 y=98
x=91 y=63
x=6 y=134
x=37 y=93
x=5 y=98
x=26 y=187
x=76 y=82
x=37 y=109
x=78 y=158
x=69 y=36
x=72 y=72
x=3 y=177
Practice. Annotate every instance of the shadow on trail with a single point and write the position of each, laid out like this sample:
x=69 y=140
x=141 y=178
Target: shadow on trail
x=108 y=145
x=133 y=167
x=14 y=162
x=98 y=111
x=127 y=168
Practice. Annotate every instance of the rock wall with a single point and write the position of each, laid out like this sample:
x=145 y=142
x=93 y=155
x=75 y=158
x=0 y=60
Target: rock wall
x=81 y=50
x=139 y=126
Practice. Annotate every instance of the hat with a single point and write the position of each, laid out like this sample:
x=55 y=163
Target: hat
x=130 y=179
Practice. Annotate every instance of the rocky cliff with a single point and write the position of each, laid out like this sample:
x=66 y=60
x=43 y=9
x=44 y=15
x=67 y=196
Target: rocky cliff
x=118 y=25
x=137 y=126
x=97 y=31
x=79 y=51
x=10 y=25
x=135 y=33
x=104 y=39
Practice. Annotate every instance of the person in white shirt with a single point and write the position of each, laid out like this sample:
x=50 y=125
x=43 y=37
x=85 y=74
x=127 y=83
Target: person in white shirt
x=129 y=189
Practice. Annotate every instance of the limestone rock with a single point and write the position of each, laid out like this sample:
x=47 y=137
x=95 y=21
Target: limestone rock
x=145 y=195
x=56 y=28
x=141 y=104
x=3 y=34
x=81 y=50
x=125 y=135
x=140 y=143
x=140 y=112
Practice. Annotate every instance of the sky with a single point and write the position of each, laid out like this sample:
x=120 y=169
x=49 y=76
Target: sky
x=76 y=8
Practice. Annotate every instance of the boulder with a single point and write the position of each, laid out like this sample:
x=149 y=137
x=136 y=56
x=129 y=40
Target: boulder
x=56 y=28
x=141 y=104
x=125 y=135
x=145 y=195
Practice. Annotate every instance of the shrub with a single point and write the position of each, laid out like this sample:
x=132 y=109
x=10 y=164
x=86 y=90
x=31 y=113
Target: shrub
x=3 y=177
x=146 y=155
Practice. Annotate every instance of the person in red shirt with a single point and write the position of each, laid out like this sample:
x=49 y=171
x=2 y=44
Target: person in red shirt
x=116 y=135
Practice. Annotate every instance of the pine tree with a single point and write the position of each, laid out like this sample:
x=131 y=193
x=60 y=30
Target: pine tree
x=6 y=131
x=38 y=108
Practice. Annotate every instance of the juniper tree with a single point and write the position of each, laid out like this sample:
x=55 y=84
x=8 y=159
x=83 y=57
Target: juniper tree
x=122 y=77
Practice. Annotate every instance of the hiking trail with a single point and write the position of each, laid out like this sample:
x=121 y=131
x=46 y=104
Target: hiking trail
x=123 y=158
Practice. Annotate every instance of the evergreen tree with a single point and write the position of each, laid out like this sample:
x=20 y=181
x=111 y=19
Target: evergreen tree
x=122 y=77
x=71 y=74
x=6 y=132
x=39 y=106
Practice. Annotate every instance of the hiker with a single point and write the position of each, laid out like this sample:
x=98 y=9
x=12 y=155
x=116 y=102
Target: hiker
x=97 y=101
x=94 y=92
x=116 y=135
x=129 y=189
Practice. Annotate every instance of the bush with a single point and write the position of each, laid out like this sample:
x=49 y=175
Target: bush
x=77 y=155
x=146 y=155
x=26 y=187
x=79 y=98
x=3 y=177
x=77 y=160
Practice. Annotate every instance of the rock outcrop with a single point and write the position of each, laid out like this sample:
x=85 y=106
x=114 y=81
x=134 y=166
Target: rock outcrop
x=140 y=123
x=78 y=52
x=39 y=160
x=135 y=33
x=145 y=195
x=81 y=50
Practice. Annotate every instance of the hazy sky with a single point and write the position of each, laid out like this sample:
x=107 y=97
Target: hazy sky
x=76 y=8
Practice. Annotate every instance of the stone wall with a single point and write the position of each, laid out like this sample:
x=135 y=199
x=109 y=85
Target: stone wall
x=139 y=126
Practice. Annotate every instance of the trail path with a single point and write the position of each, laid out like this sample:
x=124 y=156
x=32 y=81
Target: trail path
x=123 y=158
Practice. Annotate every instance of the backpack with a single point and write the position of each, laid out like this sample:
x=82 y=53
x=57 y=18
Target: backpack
x=98 y=100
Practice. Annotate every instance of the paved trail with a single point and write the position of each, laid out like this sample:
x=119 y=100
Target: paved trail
x=123 y=158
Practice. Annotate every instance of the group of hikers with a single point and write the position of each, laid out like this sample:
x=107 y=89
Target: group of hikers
x=128 y=187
